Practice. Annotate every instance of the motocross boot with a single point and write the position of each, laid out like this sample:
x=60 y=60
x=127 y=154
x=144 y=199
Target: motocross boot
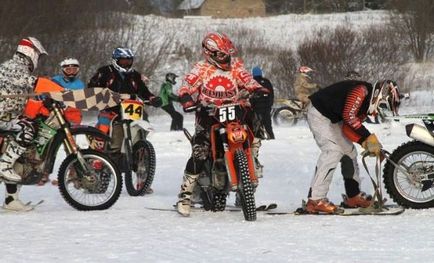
x=360 y=200
x=320 y=206
x=256 y=144
x=184 y=203
x=8 y=159
x=13 y=203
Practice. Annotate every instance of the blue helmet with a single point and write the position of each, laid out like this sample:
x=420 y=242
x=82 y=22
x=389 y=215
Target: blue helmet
x=122 y=59
x=257 y=72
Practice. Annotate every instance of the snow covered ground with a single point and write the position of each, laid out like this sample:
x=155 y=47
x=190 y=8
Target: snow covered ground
x=128 y=232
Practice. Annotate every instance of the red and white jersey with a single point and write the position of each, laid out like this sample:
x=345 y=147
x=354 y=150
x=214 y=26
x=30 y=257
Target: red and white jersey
x=216 y=86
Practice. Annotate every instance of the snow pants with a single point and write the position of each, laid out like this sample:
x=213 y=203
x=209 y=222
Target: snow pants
x=335 y=148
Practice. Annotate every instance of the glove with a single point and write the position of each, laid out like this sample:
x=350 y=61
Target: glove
x=27 y=133
x=372 y=145
x=156 y=101
x=48 y=102
x=187 y=103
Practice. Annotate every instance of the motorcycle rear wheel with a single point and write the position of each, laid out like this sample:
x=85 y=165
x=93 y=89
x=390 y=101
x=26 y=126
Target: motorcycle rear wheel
x=138 y=180
x=285 y=116
x=84 y=195
x=418 y=158
x=245 y=187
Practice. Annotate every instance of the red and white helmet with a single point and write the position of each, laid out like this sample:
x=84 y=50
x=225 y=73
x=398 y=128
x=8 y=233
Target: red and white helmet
x=31 y=48
x=304 y=69
x=218 y=49
x=385 y=94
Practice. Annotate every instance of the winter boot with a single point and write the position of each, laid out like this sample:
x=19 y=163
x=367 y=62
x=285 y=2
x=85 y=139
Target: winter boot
x=13 y=203
x=320 y=206
x=7 y=161
x=360 y=200
x=184 y=203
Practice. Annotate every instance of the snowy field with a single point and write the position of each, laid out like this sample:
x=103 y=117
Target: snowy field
x=128 y=232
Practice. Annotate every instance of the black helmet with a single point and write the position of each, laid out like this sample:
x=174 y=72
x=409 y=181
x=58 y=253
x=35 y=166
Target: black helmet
x=170 y=77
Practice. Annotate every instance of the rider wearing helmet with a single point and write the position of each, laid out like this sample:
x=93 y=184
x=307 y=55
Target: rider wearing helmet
x=167 y=96
x=335 y=118
x=16 y=78
x=68 y=79
x=121 y=77
x=303 y=85
x=216 y=80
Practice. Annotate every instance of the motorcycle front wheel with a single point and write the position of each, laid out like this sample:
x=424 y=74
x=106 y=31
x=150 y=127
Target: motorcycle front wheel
x=406 y=190
x=138 y=180
x=96 y=189
x=245 y=187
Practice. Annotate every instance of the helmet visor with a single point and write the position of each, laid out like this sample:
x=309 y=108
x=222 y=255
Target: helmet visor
x=125 y=63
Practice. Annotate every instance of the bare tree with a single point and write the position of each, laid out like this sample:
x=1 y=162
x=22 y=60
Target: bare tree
x=374 y=52
x=414 y=20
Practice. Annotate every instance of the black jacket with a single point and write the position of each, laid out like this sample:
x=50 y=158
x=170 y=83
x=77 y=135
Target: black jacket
x=128 y=83
x=346 y=101
x=263 y=102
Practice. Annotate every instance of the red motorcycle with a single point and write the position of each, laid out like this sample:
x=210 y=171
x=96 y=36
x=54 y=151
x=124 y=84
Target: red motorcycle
x=230 y=166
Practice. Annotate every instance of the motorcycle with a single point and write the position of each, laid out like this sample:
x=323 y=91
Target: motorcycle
x=408 y=174
x=87 y=179
x=128 y=145
x=230 y=168
x=288 y=111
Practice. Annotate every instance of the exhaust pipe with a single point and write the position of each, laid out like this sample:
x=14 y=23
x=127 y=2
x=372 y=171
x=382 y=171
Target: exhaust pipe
x=419 y=133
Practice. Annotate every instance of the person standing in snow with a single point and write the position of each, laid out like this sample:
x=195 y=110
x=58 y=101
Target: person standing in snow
x=16 y=78
x=204 y=83
x=335 y=116
x=167 y=97
x=303 y=85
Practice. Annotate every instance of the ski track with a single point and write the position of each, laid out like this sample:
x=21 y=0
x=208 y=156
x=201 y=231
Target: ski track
x=128 y=233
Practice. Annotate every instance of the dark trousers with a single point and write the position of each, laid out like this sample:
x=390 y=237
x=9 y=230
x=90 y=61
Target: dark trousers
x=177 y=118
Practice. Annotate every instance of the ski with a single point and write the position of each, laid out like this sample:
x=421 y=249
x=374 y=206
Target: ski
x=373 y=211
x=29 y=204
x=261 y=208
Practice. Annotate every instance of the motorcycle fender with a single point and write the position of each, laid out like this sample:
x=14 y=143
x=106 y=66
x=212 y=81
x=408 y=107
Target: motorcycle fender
x=419 y=133
x=142 y=124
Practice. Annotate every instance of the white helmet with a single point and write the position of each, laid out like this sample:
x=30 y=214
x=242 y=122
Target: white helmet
x=69 y=62
x=70 y=67
x=31 y=48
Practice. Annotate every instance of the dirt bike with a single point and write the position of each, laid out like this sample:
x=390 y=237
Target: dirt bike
x=87 y=179
x=409 y=171
x=128 y=145
x=230 y=168
x=287 y=111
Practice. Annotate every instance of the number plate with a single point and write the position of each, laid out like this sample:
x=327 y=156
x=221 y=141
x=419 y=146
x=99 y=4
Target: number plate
x=227 y=113
x=132 y=110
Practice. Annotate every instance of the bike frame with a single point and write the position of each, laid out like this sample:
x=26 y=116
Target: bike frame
x=234 y=136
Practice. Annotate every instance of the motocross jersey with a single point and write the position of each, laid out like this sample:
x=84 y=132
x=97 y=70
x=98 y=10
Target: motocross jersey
x=15 y=78
x=213 y=85
x=345 y=101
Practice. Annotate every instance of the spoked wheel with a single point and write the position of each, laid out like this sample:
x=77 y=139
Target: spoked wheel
x=245 y=187
x=407 y=190
x=285 y=116
x=140 y=178
x=97 y=188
